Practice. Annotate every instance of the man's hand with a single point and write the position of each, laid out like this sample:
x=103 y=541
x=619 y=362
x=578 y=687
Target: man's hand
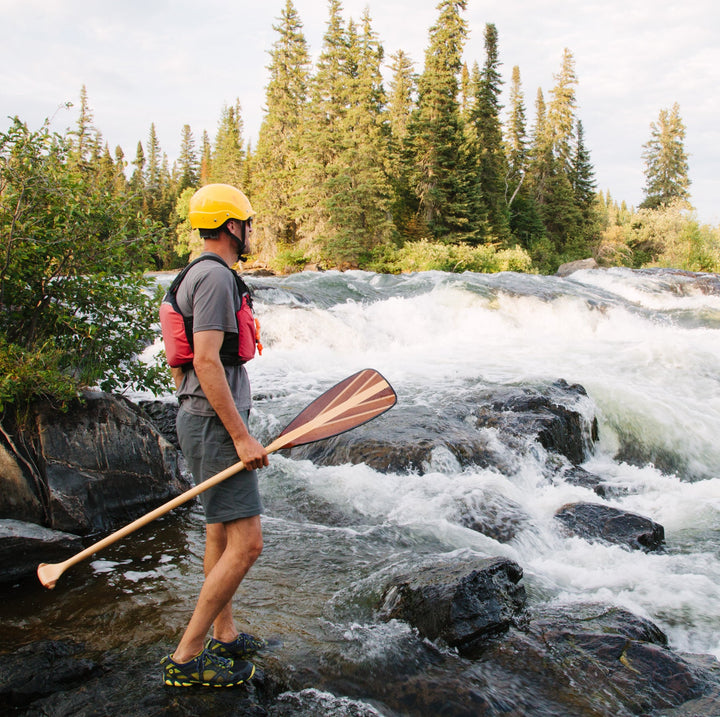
x=251 y=452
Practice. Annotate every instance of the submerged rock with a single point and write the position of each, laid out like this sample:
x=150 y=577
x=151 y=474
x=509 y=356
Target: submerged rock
x=23 y=546
x=491 y=426
x=93 y=469
x=460 y=603
x=612 y=525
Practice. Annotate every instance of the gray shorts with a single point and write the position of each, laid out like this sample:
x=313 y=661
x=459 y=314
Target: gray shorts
x=208 y=449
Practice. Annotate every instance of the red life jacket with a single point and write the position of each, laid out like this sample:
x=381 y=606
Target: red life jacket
x=177 y=329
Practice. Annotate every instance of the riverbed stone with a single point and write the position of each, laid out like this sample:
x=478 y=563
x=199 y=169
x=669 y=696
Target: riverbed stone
x=594 y=521
x=461 y=603
x=23 y=546
x=105 y=464
x=487 y=426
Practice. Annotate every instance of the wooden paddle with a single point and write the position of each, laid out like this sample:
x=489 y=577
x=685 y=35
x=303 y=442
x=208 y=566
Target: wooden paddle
x=352 y=402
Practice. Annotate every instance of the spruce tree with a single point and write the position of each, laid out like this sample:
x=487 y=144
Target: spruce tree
x=525 y=224
x=228 y=153
x=583 y=177
x=561 y=112
x=188 y=165
x=278 y=156
x=205 y=159
x=440 y=176
x=322 y=136
x=488 y=155
x=358 y=191
x=666 y=161
x=401 y=103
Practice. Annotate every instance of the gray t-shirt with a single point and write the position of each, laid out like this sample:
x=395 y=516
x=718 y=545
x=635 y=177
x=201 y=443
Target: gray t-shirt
x=210 y=294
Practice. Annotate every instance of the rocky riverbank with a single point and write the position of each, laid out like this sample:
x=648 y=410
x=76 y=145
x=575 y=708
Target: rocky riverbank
x=472 y=628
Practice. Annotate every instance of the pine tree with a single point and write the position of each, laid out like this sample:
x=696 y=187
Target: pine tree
x=153 y=186
x=436 y=134
x=516 y=140
x=561 y=112
x=401 y=104
x=583 y=177
x=525 y=224
x=666 y=161
x=137 y=179
x=488 y=156
x=188 y=165
x=205 y=159
x=322 y=135
x=228 y=154
x=358 y=192
x=85 y=138
x=277 y=159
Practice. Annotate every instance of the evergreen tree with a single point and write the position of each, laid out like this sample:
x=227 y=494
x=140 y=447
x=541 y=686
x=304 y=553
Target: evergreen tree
x=666 y=162
x=278 y=155
x=153 y=174
x=188 y=165
x=205 y=159
x=516 y=140
x=583 y=177
x=488 y=155
x=85 y=138
x=561 y=112
x=322 y=136
x=137 y=179
x=228 y=154
x=358 y=192
x=439 y=178
x=401 y=103
x=525 y=224
x=120 y=184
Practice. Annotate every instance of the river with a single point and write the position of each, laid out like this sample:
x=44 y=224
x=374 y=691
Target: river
x=644 y=344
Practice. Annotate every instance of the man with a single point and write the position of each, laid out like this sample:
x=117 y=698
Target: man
x=214 y=396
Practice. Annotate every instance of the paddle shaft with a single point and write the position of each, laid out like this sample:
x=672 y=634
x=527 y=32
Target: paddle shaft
x=48 y=574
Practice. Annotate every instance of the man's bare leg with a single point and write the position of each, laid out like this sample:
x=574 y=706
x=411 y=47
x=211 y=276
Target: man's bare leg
x=230 y=551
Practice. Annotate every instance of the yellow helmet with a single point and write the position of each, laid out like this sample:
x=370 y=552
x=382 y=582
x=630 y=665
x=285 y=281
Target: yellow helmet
x=212 y=205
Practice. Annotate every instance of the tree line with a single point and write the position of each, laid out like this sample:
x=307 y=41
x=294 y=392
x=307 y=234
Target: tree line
x=430 y=172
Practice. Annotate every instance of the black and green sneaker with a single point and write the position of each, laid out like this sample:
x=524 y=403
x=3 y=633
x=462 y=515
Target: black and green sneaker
x=208 y=670
x=242 y=646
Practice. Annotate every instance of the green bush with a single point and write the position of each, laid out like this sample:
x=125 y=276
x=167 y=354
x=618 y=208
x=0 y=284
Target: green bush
x=75 y=307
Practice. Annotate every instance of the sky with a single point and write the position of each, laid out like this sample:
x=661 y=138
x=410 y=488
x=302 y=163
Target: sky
x=175 y=62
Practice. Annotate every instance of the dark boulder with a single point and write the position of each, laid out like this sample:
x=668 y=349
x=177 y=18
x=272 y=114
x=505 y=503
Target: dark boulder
x=105 y=464
x=612 y=525
x=461 y=603
x=491 y=514
x=42 y=669
x=486 y=427
x=23 y=546
x=163 y=415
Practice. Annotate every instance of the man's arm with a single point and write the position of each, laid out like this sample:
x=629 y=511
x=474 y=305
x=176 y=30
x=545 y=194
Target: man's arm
x=211 y=374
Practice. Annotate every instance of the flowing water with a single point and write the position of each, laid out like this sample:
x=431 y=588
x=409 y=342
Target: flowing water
x=646 y=347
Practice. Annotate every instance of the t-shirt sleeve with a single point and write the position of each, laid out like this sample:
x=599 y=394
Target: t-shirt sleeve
x=214 y=302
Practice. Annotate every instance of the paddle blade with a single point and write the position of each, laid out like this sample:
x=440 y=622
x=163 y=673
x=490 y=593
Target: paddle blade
x=352 y=402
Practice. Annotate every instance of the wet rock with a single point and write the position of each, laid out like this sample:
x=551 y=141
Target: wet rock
x=612 y=525
x=548 y=415
x=314 y=703
x=492 y=514
x=567 y=660
x=104 y=464
x=461 y=603
x=23 y=546
x=579 y=265
x=486 y=427
x=19 y=498
x=163 y=415
x=41 y=669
